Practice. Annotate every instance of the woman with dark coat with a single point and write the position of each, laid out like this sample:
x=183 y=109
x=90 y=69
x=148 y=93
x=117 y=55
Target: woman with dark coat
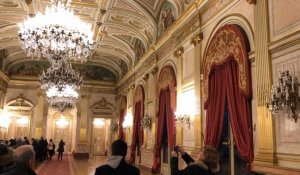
x=207 y=162
x=61 y=149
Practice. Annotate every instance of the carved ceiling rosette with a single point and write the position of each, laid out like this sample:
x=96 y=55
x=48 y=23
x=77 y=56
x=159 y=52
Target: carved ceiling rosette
x=229 y=42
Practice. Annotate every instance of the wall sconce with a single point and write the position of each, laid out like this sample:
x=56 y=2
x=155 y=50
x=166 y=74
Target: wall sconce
x=183 y=119
x=23 y=121
x=114 y=127
x=98 y=122
x=62 y=122
x=146 y=122
x=128 y=121
x=284 y=96
x=4 y=121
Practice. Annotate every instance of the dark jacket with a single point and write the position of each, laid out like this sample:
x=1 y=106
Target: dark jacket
x=191 y=169
x=116 y=165
x=20 y=168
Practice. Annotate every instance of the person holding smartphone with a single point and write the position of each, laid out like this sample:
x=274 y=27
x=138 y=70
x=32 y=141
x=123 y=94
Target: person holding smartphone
x=207 y=162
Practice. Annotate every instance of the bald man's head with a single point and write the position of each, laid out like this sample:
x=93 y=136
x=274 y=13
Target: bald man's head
x=25 y=154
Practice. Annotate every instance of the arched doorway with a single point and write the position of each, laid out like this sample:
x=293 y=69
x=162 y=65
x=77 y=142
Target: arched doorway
x=137 y=134
x=227 y=98
x=165 y=131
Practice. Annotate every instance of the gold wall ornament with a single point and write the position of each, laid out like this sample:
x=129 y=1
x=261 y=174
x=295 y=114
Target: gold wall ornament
x=28 y=2
x=99 y=24
x=154 y=70
x=179 y=52
x=145 y=77
x=196 y=39
x=251 y=1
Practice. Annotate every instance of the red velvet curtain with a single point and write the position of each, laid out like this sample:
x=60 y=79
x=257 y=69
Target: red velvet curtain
x=137 y=130
x=223 y=83
x=164 y=107
x=121 y=119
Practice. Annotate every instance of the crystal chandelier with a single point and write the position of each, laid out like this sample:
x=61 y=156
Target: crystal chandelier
x=62 y=122
x=60 y=77
x=61 y=85
x=57 y=34
x=23 y=121
x=284 y=97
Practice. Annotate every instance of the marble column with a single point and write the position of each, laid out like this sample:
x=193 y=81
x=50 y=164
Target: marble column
x=266 y=136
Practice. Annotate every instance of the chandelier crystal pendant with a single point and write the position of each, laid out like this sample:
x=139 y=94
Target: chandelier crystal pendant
x=57 y=34
x=61 y=85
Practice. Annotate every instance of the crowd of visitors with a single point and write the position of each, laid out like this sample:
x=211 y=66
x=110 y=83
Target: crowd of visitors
x=18 y=155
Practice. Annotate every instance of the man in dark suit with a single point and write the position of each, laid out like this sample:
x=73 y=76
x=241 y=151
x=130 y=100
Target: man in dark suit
x=24 y=159
x=116 y=164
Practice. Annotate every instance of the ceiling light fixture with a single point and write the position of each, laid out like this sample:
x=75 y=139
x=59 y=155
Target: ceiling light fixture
x=57 y=35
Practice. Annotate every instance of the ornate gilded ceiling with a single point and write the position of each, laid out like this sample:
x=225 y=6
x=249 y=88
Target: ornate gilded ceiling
x=123 y=29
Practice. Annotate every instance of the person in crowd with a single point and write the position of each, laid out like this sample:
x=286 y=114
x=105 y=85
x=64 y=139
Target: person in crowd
x=51 y=148
x=6 y=157
x=61 y=149
x=207 y=162
x=45 y=150
x=23 y=161
x=40 y=149
x=253 y=173
x=26 y=141
x=116 y=164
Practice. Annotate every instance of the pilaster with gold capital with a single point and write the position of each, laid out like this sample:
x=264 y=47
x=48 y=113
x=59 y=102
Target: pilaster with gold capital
x=39 y=118
x=179 y=55
x=266 y=135
x=199 y=111
x=84 y=109
x=3 y=89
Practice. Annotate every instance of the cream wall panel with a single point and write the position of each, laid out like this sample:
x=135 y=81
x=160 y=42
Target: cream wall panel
x=284 y=18
x=287 y=131
x=188 y=66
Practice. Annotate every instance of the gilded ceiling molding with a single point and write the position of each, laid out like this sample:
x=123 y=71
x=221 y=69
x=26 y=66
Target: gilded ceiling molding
x=196 y=39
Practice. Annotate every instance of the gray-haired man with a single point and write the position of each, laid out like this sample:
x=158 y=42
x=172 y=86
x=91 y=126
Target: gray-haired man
x=24 y=160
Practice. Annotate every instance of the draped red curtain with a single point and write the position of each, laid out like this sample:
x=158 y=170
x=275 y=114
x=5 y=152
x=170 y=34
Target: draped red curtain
x=223 y=84
x=164 y=108
x=121 y=119
x=137 y=131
